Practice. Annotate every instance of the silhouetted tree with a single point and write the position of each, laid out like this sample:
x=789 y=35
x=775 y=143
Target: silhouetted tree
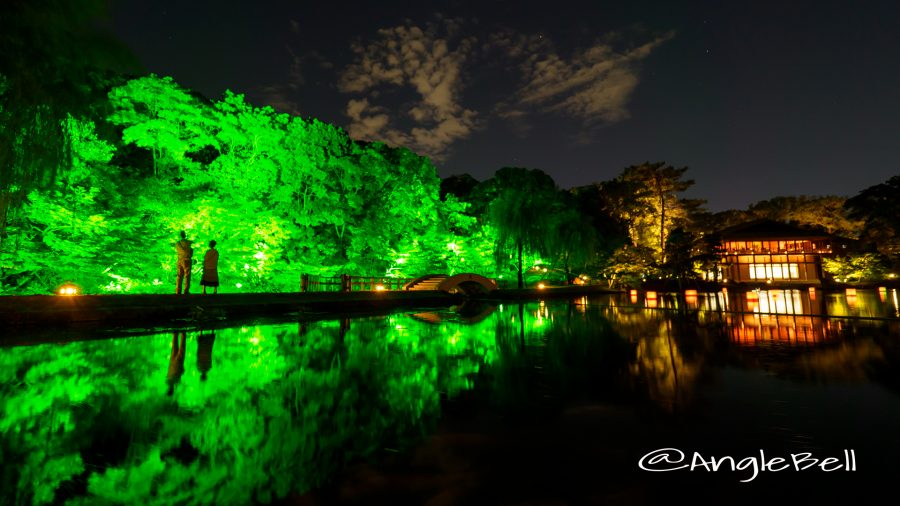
x=521 y=213
x=879 y=208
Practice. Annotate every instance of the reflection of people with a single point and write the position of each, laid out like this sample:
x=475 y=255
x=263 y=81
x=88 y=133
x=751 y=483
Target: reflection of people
x=211 y=269
x=204 y=353
x=185 y=253
x=176 y=361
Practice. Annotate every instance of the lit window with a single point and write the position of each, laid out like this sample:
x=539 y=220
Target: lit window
x=774 y=271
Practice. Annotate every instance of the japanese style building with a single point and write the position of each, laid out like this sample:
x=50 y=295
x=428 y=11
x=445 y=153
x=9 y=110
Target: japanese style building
x=766 y=251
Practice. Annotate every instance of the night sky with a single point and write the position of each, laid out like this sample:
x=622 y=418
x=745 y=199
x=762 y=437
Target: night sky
x=758 y=99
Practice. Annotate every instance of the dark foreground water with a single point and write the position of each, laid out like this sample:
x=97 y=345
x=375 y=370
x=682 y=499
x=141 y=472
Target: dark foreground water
x=556 y=402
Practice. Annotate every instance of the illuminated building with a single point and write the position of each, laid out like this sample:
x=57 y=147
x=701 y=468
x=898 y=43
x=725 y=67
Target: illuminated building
x=767 y=251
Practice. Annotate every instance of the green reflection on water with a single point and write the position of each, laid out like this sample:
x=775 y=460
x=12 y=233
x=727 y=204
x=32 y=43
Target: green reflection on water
x=252 y=413
x=230 y=415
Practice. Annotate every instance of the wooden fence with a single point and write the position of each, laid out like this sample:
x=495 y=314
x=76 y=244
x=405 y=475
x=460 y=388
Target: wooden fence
x=348 y=283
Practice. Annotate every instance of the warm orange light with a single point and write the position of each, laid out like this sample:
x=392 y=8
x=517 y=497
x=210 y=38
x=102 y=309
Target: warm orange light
x=540 y=286
x=812 y=293
x=68 y=290
x=851 y=292
x=690 y=298
x=379 y=288
x=651 y=295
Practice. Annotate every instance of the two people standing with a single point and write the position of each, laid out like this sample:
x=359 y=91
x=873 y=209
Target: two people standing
x=185 y=252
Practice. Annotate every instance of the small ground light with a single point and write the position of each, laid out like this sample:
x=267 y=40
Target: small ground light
x=68 y=290
x=379 y=288
x=540 y=286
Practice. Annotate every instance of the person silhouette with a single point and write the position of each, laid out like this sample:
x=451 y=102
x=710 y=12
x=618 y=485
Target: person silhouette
x=183 y=265
x=211 y=269
x=176 y=361
x=204 y=352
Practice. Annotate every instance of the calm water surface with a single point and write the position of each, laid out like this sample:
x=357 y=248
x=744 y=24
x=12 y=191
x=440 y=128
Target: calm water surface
x=551 y=402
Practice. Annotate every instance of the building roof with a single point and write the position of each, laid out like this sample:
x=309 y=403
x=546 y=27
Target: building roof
x=769 y=229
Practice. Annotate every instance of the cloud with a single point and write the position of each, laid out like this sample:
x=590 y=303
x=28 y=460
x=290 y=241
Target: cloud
x=428 y=61
x=594 y=84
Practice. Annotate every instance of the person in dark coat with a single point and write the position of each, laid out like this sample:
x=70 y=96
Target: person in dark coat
x=211 y=269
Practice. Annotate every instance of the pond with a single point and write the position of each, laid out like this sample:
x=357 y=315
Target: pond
x=544 y=402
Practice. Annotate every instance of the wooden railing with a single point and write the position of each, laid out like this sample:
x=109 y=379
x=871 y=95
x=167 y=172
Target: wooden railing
x=348 y=283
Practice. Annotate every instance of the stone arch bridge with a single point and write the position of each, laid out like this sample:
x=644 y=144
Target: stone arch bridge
x=469 y=284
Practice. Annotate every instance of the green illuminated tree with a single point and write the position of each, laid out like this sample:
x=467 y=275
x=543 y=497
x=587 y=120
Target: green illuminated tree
x=281 y=195
x=54 y=62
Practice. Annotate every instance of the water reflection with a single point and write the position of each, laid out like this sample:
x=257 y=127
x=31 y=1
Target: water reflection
x=271 y=409
x=792 y=316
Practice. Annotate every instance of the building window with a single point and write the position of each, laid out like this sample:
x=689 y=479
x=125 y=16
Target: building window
x=774 y=271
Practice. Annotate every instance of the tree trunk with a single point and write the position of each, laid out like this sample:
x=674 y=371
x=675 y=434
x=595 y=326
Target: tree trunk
x=521 y=277
x=662 y=225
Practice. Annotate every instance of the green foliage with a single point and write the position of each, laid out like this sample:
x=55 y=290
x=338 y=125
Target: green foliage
x=629 y=265
x=281 y=195
x=856 y=267
x=55 y=62
x=280 y=409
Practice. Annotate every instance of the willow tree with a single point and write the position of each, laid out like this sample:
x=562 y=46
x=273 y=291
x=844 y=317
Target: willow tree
x=572 y=240
x=55 y=61
x=521 y=213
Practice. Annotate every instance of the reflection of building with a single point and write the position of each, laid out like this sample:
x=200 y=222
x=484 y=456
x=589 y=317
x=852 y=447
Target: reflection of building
x=765 y=250
x=791 y=302
x=750 y=330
